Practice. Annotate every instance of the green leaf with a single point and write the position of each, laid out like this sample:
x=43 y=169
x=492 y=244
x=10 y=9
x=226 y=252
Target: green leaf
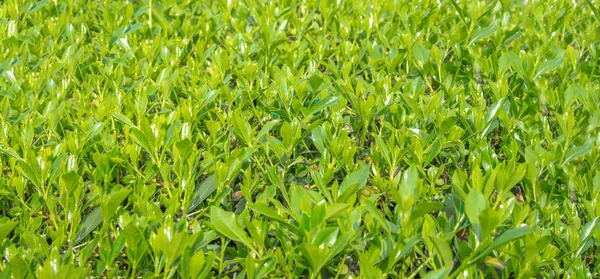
x=114 y=201
x=447 y=124
x=421 y=54
x=421 y=209
x=314 y=255
x=368 y=270
x=517 y=176
x=6 y=228
x=315 y=82
x=482 y=33
x=266 y=211
x=438 y=274
x=353 y=182
x=319 y=138
x=266 y=128
x=142 y=140
x=242 y=129
x=585 y=235
x=335 y=210
x=317 y=215
x=184 y=148
x=326 y=236
x=408 y=186
x=133 y=28
x=443 y=249
x=10 y=152
x=226 y=224
x=504 y=238
x=475 y=204
x=576 y=152
x=433 y=151
x=93 y=131
x=38 y=5
x=31 y=171
x=123 y=119
x=594 y=9
x=323 y=104
x=493 y=111
x=400 y=251
x=203 y=191
x=589 y=229
x=547 y=66
x=91 y=221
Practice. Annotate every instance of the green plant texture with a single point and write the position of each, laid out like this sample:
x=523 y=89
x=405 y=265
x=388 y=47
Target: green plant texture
x=299 y=139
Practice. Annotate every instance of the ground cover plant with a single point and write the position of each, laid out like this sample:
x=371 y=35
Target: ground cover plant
x=287 y=139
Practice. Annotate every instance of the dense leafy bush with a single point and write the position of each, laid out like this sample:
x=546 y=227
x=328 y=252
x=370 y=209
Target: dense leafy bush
x=290 y=139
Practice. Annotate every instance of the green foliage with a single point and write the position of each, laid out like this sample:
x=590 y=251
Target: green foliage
x=313 y=139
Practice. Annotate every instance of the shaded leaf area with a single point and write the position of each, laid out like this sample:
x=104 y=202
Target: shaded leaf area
x=299 y=139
